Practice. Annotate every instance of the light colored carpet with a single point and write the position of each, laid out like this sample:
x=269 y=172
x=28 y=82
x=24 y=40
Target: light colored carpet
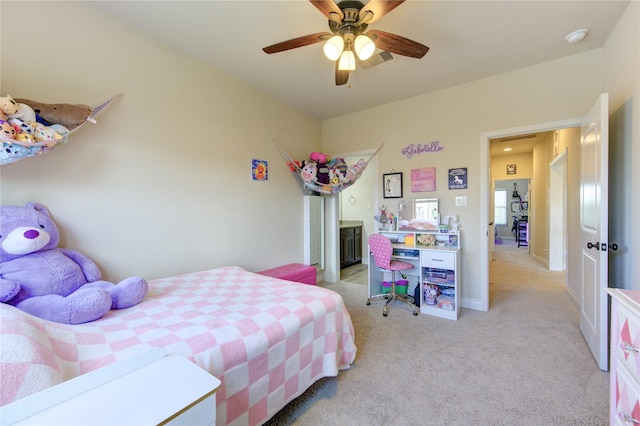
x=524 y=362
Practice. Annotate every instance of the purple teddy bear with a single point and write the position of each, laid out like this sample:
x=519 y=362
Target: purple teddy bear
x=52 y=283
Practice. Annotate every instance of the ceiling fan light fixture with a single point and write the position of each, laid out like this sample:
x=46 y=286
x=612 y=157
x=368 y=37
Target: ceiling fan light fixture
x=347 y=61
x=333 y=47
x=364 y=47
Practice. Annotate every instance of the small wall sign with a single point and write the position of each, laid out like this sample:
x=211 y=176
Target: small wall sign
x=458 y=178
x=411 y=150
x=511 y=169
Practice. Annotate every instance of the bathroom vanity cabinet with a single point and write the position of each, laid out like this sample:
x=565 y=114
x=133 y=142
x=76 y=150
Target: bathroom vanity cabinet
x=350 y=245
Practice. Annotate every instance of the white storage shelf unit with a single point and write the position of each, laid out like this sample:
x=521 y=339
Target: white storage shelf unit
x=436 y=270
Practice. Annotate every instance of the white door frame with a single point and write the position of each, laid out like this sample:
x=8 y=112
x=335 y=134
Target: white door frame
x=485 y=186
x=331 y=272
x=558 y=212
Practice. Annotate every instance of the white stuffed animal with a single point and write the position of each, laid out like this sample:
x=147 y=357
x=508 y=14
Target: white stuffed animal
x=23 y=111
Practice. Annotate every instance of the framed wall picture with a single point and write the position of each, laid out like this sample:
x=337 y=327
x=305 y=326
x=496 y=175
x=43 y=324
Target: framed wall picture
x=423 y=180
x=511 y=169
x=392 y=185
x=259 y=170
x=458 y=178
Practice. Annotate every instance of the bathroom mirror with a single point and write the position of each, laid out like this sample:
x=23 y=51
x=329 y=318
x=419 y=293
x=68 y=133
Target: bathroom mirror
x=418 y=214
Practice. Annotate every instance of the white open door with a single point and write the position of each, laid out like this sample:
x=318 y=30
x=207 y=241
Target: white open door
x=594 y=149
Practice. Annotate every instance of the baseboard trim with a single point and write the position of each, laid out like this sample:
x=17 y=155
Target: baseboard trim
x=474 y=304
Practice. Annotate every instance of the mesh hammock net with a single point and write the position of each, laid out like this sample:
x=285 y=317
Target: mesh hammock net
x=337 y=177
x=13 y=150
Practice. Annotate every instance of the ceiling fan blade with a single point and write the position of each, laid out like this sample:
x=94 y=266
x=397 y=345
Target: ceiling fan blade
x=398 y=44
x=341 y=76
x=380 y=8
x=296 y=42
x=326 y=7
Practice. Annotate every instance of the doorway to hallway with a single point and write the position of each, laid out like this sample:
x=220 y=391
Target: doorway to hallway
x=538 y=211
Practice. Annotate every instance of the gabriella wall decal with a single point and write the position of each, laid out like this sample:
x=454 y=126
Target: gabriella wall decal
x=411 y=150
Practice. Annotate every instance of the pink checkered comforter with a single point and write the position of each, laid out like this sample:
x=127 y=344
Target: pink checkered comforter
x=266 y=339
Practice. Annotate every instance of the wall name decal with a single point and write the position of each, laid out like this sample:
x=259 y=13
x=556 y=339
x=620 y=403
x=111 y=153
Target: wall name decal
x=411 y=150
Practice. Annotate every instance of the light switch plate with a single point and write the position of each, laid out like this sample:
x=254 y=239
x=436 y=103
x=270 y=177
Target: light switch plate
x=461 y=201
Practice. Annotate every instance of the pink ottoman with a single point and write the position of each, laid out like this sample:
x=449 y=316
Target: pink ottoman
x=296 y=272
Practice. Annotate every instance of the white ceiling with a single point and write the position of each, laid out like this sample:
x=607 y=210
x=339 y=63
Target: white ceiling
x=519 y=144
x=468 y=40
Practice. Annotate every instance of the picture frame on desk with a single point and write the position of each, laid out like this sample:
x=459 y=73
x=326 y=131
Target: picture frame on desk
x=392 y=185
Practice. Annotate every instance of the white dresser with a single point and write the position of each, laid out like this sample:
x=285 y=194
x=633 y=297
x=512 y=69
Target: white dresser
x=148 y=389
x=625 y=357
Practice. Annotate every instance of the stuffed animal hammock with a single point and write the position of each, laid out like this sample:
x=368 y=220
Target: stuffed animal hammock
x=327 y=175
x=15 y=150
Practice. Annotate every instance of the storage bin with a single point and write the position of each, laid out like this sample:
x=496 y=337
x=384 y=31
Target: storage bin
x=401 y=287
x=447 y=303
x=296 y=272
x=406 y=253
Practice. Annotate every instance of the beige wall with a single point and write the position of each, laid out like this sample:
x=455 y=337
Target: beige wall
x=523 y=162
x=538 y=210
x=548 y=92
x=569 y=140
x=621 y=79
x=161 y=184
x=456 y=117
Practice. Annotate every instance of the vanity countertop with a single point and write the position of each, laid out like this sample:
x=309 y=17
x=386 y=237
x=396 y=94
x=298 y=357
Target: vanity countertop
x=351 y=223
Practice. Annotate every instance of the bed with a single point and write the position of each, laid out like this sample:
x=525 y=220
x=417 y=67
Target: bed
x=266 y=339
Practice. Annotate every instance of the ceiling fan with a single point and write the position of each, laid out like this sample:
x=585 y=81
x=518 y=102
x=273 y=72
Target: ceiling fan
x=348 y=21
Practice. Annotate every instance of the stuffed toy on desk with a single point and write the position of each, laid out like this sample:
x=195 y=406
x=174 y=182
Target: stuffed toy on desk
x=52 y=283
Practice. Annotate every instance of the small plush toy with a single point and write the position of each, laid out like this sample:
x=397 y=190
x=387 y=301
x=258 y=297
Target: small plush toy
x=294 y=164
x=24 y=112
x=52 y=283
x=319 y=157
x=21 y=126
x=322 y=175
x=309 y=172
x=431 y=293
x=69 y=115
x=8 y=105
x=44 y=133
x=335 y=176
x=7 y=130
x=337 y=163
x=25 y=138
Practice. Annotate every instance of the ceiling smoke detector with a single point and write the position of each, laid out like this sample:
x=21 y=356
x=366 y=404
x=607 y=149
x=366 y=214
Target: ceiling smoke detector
x=577 y=36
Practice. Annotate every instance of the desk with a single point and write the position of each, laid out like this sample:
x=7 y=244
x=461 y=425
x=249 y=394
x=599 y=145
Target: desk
x=436 y=271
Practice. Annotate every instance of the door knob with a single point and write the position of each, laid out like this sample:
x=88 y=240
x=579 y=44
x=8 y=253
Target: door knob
x=613 y=246
x=593 y=245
